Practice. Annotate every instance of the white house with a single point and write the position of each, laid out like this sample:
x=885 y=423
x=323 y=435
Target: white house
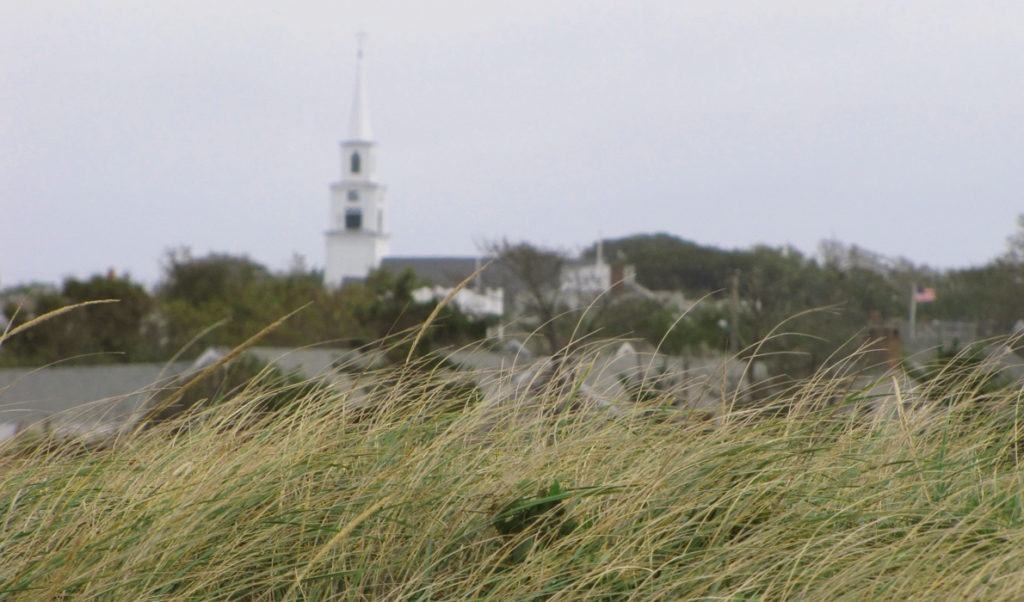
x=487 y=302
x=581 y=281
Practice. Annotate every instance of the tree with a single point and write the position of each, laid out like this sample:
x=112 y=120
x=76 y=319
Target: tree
x=386 y=313
x=773 y=285
x=243 y=297
x=667 y=262
x=198 y=293
x=117 y=328
x=699 y=331
x=102 y=332
x=537 y=273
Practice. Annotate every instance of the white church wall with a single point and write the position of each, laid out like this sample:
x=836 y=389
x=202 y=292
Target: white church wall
x=354 y=256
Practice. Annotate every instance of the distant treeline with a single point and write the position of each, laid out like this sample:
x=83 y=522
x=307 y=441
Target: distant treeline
x=215 y=300
x=783 y=281
x=762 y=299
x=851 y=288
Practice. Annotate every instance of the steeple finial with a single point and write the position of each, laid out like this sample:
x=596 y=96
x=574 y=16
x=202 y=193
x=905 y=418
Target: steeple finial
x=359 y=127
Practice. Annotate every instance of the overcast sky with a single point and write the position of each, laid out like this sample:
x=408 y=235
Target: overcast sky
x=129 y=128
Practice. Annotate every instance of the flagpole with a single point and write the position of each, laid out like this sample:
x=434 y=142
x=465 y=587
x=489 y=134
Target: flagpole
x=913 y=312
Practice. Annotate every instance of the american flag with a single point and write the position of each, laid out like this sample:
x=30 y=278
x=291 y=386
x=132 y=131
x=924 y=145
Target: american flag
x=924 y=294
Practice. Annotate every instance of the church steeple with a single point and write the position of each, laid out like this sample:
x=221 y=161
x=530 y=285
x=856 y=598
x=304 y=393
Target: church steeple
x=357 y=237
x=359 y=126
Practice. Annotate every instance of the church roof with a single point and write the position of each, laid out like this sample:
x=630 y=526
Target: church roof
x=448 y=271
x=359 y=127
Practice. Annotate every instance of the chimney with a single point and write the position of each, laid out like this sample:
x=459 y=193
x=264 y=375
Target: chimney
x=618 y=275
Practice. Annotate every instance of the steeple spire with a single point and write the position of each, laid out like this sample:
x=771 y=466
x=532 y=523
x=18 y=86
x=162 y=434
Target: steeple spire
x=357 y=230
x=359 y=127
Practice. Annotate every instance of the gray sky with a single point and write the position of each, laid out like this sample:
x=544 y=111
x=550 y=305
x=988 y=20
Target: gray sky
x=129 y=128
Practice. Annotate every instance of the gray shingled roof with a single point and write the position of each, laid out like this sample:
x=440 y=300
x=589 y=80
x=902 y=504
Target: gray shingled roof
x=95 y=401
x=448 y=271
x=80 y=397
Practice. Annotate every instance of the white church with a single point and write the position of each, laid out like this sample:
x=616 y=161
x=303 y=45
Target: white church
x=358 y=240
x=357 y=234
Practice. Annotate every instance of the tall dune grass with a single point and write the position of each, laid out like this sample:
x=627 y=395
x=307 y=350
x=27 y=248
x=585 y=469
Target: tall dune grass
x=425 y=498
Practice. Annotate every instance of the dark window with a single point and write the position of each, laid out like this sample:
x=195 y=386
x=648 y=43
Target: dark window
x=353 y=195
x=353 y=220
x=355 y=163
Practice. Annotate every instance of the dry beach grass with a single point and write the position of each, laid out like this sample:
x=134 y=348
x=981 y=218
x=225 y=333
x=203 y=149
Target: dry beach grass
x=432 y=497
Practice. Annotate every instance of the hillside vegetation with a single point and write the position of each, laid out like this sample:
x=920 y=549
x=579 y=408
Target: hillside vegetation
x=430 y=495
x=220 y=299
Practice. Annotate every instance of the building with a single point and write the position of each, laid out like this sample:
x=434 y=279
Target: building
x=357 y=231
x=90 y=402
x=581 y=281
x=357 y=237
x=358 y=241
x=480 y=295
